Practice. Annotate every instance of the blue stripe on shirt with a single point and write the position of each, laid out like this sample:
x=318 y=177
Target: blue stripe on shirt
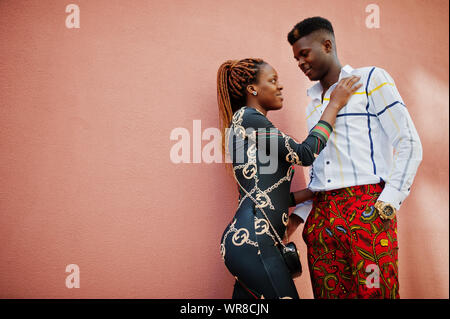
x=368 y=123
x=371 y=114
x=390 y=105
x=356 y=114
x=409 y=157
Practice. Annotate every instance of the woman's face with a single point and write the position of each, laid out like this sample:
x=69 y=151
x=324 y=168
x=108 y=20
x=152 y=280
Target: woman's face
x=268 y=89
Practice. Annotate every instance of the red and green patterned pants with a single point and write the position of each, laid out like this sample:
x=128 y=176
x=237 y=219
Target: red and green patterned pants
x=352 y=252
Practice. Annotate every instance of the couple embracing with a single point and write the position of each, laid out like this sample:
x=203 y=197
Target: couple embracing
x=356 y=119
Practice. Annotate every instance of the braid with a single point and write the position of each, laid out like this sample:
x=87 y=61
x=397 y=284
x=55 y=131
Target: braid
x=233 y=77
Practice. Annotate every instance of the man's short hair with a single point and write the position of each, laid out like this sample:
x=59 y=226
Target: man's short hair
x=308 y=26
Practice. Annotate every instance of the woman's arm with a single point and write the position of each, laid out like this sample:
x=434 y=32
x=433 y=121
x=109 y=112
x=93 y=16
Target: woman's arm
x=268 y=136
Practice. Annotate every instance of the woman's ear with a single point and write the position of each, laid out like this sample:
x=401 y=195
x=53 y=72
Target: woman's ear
x=251 y=89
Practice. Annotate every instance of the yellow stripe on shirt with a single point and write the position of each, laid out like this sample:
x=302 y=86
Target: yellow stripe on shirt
x=388 y=110
x=379 y=86
x=370 y=92
x=315 y=109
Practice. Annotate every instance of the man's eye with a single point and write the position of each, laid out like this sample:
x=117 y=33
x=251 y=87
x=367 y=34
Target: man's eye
x=274 y=81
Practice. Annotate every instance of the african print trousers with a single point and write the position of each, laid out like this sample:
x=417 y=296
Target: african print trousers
x=352 y=252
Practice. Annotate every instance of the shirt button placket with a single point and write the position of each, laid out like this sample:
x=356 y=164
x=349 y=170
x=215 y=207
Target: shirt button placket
x=327 y=162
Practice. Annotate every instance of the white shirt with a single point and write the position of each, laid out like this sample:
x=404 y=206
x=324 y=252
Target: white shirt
x=373 y=139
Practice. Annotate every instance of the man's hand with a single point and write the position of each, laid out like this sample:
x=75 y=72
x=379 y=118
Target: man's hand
x=294 y=222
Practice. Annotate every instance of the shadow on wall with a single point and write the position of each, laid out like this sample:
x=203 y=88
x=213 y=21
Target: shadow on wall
x=423 y=230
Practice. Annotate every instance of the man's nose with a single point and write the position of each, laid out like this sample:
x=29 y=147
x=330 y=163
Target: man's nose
x=301 y=61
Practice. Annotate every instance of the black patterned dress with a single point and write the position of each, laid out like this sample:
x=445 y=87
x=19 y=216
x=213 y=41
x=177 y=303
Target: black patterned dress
x=262 y=159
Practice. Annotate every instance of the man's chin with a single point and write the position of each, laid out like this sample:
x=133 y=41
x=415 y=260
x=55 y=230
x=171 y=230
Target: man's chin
x=312 y=78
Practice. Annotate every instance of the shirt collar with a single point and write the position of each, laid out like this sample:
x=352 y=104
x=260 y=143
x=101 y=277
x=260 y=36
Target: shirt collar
x=315 y=91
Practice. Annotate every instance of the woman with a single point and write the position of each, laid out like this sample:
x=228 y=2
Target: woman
x=262 y=160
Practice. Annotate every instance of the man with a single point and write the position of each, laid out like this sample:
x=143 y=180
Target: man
x=361 y=177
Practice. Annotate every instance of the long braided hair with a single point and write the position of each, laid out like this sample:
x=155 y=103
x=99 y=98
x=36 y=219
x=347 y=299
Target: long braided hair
x=233 y=77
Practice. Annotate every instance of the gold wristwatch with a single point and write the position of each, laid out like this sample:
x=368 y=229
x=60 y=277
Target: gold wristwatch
x=385 y=210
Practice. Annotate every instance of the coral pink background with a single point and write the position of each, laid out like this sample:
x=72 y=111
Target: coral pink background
x=85 y=120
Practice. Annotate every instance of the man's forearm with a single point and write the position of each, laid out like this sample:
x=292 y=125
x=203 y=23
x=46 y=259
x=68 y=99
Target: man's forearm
x=302 y=196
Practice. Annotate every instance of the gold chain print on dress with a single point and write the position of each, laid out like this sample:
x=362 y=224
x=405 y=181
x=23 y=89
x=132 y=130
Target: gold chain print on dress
x=249 y=171
x=250 y=168
x=291 y=157
x=285 y=219
x=240 y=237
x=251 y=243
x=261 y=226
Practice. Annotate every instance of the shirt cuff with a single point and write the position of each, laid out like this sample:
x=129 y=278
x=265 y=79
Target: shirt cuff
x=392 y=196
x=302 y=210
x=322 y=130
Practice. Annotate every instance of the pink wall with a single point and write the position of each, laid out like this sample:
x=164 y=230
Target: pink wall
x=85 y=120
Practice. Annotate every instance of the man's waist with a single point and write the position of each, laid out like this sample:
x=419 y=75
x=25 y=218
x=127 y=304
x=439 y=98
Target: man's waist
x=349 y=191
x=321 y=184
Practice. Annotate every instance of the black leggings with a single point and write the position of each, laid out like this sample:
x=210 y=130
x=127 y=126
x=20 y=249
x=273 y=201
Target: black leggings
x=251 y=256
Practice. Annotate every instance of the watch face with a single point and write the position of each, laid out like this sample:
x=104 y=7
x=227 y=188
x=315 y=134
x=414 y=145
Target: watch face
x=388 y=211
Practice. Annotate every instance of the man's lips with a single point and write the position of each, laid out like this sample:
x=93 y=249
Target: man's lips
x=308 y=71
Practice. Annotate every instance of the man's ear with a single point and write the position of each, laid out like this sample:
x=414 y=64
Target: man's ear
x=327 y=45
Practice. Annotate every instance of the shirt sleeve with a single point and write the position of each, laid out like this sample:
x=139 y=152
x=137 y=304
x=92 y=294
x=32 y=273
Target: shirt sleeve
x=269 y=139
x=302 y=210
x=386 y=102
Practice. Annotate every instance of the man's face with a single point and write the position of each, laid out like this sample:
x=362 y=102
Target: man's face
x=312 y=55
